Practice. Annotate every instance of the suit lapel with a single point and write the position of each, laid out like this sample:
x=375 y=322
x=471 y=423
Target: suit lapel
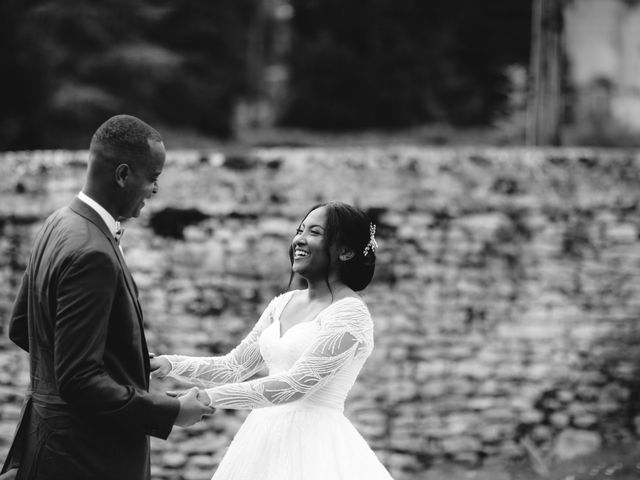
x=84 y=210
x=90 y=214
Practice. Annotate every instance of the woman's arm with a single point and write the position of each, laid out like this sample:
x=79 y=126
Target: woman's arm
x=241 y=363
x=342 y=336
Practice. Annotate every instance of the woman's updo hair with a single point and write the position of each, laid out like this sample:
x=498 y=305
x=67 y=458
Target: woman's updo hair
x=349 y=227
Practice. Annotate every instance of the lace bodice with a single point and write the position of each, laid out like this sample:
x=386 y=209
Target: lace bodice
x=315 y=362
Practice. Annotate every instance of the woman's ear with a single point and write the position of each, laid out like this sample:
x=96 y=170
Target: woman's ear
x=345 y=254
x=121 y=174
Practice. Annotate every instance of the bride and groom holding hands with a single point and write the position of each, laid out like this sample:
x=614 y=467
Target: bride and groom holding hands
x=89 y=412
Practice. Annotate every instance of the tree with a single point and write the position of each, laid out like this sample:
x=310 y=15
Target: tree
x=72 y=65
x=392 y=63
x=547 y=60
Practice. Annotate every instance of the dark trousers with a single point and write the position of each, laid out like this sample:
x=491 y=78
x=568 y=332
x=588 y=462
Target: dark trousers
x=53 y=444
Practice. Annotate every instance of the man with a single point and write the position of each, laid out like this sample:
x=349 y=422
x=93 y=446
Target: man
x=89 y=412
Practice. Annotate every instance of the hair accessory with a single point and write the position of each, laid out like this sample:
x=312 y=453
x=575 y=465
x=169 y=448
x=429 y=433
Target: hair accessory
x=372 y=245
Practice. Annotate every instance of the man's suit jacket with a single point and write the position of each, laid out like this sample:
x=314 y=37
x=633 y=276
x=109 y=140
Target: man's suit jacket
x=89 y=412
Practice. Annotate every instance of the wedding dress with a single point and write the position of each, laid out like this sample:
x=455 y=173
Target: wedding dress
x=296 y=429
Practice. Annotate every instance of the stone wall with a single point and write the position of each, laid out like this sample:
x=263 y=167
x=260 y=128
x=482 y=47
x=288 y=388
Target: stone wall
x=505 y=299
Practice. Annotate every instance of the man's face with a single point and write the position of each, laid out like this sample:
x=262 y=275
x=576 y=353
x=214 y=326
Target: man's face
x=142 y=182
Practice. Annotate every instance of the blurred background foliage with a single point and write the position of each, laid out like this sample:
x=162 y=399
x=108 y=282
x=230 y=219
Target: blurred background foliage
x=191 y=65
x=386 y=63
x=70 y=65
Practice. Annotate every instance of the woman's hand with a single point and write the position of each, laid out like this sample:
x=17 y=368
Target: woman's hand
x=201 y=395
x=160 y=367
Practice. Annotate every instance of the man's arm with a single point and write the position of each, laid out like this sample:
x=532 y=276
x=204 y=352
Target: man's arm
x=85 y=296
x=18 y=325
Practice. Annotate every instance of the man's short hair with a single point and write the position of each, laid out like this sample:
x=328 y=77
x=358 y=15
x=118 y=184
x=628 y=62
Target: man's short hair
x=123 y=135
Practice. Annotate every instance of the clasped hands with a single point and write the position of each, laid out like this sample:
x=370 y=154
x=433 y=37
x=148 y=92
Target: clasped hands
x=194 y=406
x=194 y=403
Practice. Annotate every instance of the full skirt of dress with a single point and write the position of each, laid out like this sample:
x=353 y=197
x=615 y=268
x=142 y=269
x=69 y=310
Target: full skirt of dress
x=299 y=442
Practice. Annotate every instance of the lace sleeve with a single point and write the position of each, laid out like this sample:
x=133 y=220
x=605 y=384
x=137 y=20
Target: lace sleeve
x=241 y=363
x=346 y=331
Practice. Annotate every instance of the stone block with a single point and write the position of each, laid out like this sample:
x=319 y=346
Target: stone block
x=572 y=443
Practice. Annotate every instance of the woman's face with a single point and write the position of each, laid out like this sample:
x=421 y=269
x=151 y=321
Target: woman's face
x=310 y=258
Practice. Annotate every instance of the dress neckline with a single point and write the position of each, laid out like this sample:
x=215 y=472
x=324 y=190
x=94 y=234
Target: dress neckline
x=281 y=334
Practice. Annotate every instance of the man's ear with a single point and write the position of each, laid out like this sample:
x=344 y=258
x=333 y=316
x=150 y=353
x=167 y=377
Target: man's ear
x=345 y=254
x=121 y=174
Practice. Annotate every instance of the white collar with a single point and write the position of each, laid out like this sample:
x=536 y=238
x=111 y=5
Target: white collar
x=109 y=221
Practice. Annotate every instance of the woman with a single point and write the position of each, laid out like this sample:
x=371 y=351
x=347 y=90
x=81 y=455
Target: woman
x=314 y=343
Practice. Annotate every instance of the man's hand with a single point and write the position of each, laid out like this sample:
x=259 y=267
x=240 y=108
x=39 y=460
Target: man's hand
x=192 y=410
x=160 y=366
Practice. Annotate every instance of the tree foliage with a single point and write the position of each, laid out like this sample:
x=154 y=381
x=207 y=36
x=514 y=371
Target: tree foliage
x=376 y=63
x=69 y=65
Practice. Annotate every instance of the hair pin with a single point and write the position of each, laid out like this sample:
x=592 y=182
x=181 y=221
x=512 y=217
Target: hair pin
x=372 y=245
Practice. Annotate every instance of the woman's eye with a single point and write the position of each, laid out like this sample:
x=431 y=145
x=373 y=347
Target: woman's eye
x=298 y=231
